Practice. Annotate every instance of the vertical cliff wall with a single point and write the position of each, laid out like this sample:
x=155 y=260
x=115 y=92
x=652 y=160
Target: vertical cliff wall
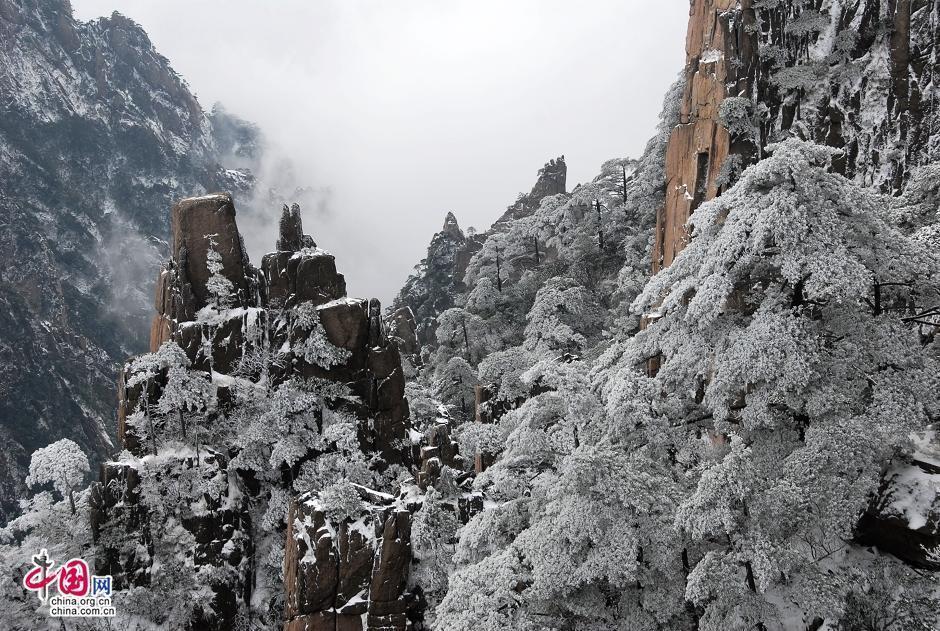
x=855 y=75
x=858 y=76
x=720 y=55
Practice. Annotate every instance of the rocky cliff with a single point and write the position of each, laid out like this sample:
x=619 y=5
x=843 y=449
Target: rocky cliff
x=287 y=327
x=96 y=131
x=856 y=76
x=438 y=278
x=853 y=75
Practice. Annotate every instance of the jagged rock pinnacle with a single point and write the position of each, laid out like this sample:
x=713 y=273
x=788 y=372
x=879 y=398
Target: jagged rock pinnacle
x=451 y=227
x=552 y=178
x=291 y=235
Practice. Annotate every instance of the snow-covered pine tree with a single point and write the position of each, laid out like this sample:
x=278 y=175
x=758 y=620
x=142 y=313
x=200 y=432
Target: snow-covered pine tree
x=220 y=289
x=792 y=379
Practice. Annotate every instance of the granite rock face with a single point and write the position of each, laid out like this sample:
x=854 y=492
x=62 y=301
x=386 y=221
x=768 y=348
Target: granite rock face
x=291 y=237
x=404 y=329
x=856 y=76
x=268 y=309
x=198 y=224
x=347 y=573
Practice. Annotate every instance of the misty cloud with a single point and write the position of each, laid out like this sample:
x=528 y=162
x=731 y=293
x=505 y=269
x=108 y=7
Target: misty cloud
x=393 y=113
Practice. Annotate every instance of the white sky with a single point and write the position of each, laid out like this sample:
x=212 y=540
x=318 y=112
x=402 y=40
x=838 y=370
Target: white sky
x=407 y=109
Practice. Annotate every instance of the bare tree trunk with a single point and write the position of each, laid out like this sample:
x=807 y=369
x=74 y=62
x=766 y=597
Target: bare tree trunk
x=749 y=577
x=499 y=279
x=877 y=306
x=536 y=241
x=153 y=434
x=466 y=340
x=623 y=170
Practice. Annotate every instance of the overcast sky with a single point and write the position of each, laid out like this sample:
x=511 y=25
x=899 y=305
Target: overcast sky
x=407 y=109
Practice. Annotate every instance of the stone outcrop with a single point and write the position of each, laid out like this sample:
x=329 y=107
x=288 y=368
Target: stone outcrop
x=347 y=573
x=438 y=449
x=404 y=329
x=197 y=225
x=287 y=279
x=291 y=237
x=306 y=275
x=263 y=315
x=552 y=180
x=430 y=290
x=855 y=75
x=720 y=54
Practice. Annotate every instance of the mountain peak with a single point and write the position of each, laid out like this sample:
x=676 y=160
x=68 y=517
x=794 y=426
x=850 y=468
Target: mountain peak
x=552 y=179
x=451 y=227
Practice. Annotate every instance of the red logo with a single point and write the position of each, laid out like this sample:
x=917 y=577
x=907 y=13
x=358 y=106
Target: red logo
x=73 y=577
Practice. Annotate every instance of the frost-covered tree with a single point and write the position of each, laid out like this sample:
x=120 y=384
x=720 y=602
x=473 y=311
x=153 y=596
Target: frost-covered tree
x=455 y=385
x=186 y=394
x=502 y=373
x=56 y=520
x=461 y=333
x=144 y=371
x=62 y=464
x=563 y=315
x=220 y=288
x=723 y=492
x=433 y=538
x=785 y=357
x=580 y=534
x=580 y=456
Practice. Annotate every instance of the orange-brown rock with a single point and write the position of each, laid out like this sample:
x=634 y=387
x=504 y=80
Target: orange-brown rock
x=196 y=222
x=720 y=52
x=181 y=290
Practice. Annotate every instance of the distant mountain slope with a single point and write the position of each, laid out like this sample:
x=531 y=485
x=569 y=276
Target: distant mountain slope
x=97 y=135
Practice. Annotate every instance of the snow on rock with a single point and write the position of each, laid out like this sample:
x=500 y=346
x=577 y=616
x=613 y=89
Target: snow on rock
x=906 y=519
x=339 y=569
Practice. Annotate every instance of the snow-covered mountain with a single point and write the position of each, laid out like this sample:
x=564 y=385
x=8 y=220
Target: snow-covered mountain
x=98 y=136
x=697 y=393
x=662 y=450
